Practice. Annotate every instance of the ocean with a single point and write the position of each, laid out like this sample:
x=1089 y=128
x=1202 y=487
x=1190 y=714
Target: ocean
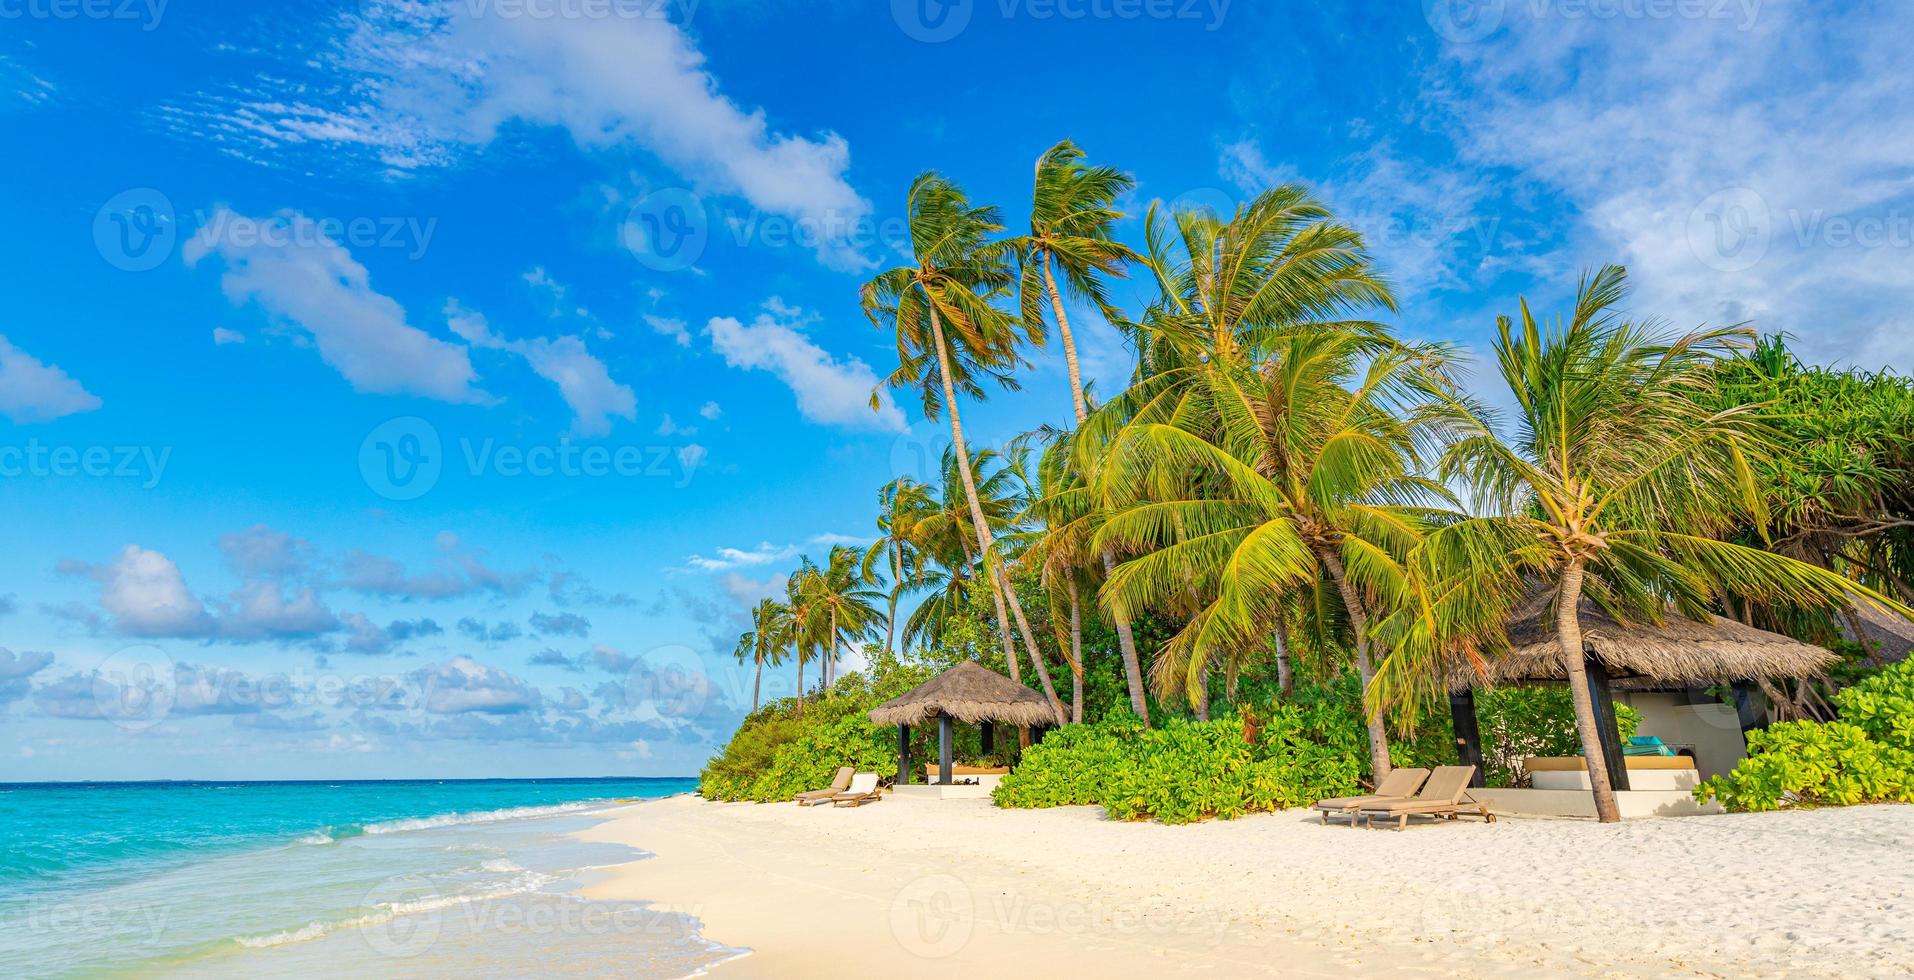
x=381 y=878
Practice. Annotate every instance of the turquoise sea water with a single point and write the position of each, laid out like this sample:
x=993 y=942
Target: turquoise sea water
x=390 y=878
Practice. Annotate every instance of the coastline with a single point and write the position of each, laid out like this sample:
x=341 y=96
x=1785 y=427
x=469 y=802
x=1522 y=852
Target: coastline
x=954 y=887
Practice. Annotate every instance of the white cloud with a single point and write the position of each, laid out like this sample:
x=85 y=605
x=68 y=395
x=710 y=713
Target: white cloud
x=583 y=380
x=727 y=559
x=665 y=326
x=32 y=391
x=223 y=336
x=829 y=390
x=1734 y=163
x=711 y=411
x=303 y=279
x=427 y=78
x=145 y=595
x=20 y=88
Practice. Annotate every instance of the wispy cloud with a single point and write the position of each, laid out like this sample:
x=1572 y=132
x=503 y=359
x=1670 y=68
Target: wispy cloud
x=34 y=391
x=829 y=389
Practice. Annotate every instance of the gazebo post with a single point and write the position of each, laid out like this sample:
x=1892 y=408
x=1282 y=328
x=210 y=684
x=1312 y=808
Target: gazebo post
x=986 y=735
x=1745 y=711
x=903 y=755
x=1468 y=734
x=943 y=749
x=1605 y=727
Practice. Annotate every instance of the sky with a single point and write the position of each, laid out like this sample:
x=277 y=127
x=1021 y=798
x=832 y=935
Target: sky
x=427 y=388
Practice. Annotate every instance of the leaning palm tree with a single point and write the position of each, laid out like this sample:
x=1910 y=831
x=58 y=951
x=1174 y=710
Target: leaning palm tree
x=1072 y=215
x=903 y=503
x=797 y=620
x=1303 y=469
x=1614 y=484
x=763 y=644
x=948 y=328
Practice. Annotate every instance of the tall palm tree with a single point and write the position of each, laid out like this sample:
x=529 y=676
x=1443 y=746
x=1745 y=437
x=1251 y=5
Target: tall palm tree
x=948 y=533
x=903 y=504
x=941 y=310
x=1615 y=482
x=763 y=644
x=844 y=600
x=1072 y=217
x=1304 y=468
x=797 y=620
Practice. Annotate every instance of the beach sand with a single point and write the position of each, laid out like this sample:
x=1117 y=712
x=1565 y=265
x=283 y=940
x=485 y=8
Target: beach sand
x=959 y=888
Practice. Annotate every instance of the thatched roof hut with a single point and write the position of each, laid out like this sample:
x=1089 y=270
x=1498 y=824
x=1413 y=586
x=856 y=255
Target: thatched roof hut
x=1679 y=652
x=970 y=693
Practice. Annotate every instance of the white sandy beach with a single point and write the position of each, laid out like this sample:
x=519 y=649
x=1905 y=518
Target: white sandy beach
x=957 y=887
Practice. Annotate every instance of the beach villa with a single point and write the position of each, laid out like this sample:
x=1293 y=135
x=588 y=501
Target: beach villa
x=1662 y=671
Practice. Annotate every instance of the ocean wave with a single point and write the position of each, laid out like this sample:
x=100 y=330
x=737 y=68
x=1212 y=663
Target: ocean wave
x=477 y=816
x=383 y=912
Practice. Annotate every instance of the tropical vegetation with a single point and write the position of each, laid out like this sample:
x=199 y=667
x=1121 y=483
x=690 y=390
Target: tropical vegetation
x=1292 y=497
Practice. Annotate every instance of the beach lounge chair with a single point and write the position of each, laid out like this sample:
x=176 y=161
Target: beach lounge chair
x=1400 y=784
x=863 y=790
x=839 y=783
x=1441 y=796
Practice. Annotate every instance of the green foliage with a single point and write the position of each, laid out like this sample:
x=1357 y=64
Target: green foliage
x=1865 y=757
x=1883 y=706
x=777 y=754
x=1518 y=722
x=1187 y=770
x=1809 y=763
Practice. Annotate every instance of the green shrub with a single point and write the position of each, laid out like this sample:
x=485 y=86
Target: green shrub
x=1185 y=770
x=1882 y=705
x=1867 y=756
x=776 y=754
x=1805 y=763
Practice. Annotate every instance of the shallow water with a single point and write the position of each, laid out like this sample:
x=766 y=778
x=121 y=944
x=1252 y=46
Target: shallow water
x=390 y=879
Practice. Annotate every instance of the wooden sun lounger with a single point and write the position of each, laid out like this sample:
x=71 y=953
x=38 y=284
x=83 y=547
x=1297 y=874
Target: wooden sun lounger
x=839 y=783
x=863 y=790
x=1400 y=784
x=1441 y=797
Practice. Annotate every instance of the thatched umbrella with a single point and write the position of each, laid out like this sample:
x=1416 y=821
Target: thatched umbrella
x=1677 y=652
x=968 y=692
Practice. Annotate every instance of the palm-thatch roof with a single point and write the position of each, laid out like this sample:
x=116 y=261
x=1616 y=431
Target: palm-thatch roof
x=1888 y=637
x=970 y=693
x=1680 y=652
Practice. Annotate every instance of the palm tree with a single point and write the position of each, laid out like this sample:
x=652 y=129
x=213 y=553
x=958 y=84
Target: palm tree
x=1072 y=214
x=763 y=644
x=797 y=620
x=904 y=504
x=844 y=599
x=940 y=309
x=1615 y=485
x=1303 y=469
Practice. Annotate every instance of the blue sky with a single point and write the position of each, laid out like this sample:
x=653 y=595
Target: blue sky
x=427 y=388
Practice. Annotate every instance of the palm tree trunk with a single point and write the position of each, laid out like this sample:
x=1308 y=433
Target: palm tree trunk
x=1365 y=670
x=800 y=659
x=984 y=538
x=1568 y=636
x=1285 y=674
x=1201 y=703
x=1069 y=342
x=897 y=585
x=830 y=656
x=1126 y=638
x=757 y=681
x=1076 y=650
